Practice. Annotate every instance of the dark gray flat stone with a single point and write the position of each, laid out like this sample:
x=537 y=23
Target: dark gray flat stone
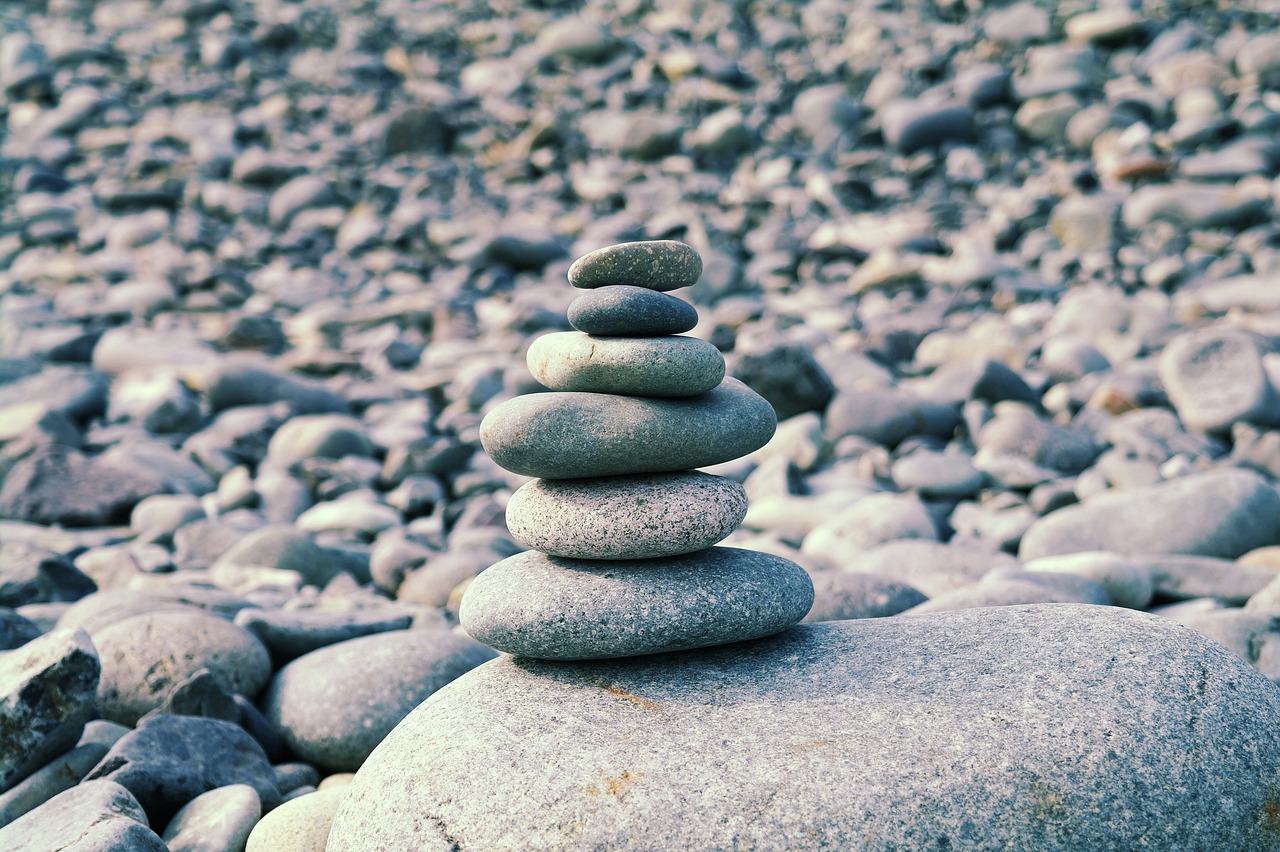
x=622 y=310
x=566 y=435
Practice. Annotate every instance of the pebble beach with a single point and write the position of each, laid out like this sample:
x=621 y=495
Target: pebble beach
x=959 y=319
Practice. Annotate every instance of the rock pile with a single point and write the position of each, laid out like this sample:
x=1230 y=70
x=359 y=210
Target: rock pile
x=620 y=525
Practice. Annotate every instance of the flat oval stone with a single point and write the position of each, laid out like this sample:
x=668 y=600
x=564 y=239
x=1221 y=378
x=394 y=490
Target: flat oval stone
x=654 y=264
x=1224 y=513
x=642 y=516
x=622 y=310
x=550 y=608
x=634 y=366
x=1109 y=729
x=569 y=435
x=334 y=705
x=146 y=656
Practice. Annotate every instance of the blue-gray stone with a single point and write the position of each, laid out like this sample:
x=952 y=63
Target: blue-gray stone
x=566 y=435
x=622 y=310
x=547 y=607
x=90 y=817
x=1222 y=513
x=169 y=760
x=335 y=704
x=669 y=366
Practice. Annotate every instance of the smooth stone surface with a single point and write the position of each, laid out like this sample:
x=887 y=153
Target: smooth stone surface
x=887 y=416
x=910 y=126
x=147 y=656
x=788 y=376
x=634 y=366
x=15 y=630
x=169 y=760
x=334 y=705
x=546 y=607
x=1182 y=577
x=660 y=265
x=217 y=821
x=838 y=595
x=289 y=634
x=1125 y=731
x=285 y=548
x=1215 y=378
x=622 y=310
x=1219 y=513
x=938 y=475
x=566 y=435
x=89 y=817
x=328 y=436
x=299 y=825
x=61 y=773
x=47 y=691
x=1129 y=584
x=1009 y=587
x=59 y=485
x=931 y=566
x=868 y=523
x=626 y=517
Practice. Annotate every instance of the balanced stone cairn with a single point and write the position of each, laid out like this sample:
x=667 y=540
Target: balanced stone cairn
x=620 y=525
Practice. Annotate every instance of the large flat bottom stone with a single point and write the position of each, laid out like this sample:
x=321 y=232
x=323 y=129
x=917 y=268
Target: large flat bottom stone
x=1034 y=727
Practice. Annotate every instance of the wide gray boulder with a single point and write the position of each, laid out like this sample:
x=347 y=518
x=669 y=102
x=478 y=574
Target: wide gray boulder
x=1031 y=727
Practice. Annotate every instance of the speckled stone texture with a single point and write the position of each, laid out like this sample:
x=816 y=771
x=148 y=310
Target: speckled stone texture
x=568 y=435
x=47 y=691
x=90 y=817
x=626 y=517
x=622 y=310
x=552 y=608
x=633 y=366
x=660 y=265
x=962 y=730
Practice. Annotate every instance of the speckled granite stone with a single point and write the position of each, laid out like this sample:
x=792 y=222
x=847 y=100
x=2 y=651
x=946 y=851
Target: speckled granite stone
x=656 y=264
x=566 y=435
x=548 y=607
x=626 y=517
x=961 y=730
x=633 y=366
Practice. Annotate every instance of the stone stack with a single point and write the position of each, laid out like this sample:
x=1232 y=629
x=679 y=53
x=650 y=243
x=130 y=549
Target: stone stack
x=620 y=525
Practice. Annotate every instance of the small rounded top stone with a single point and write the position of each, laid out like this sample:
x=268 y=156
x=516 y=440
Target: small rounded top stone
x=660 y=265
x=622 y=310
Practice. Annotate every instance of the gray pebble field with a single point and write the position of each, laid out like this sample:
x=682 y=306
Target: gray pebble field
x=968 y=313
